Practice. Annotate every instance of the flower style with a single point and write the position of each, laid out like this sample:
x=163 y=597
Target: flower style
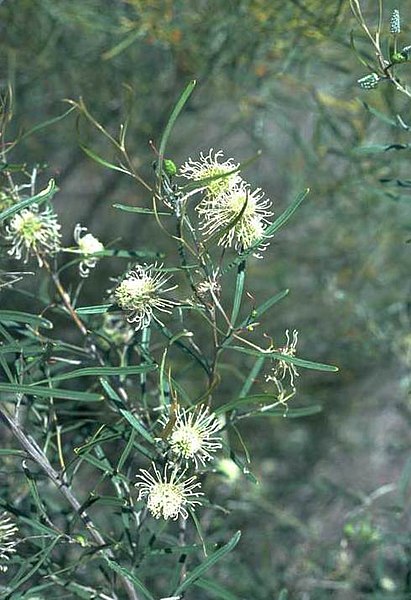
x=282 y=367
x=193 y=435
x=8 y=540
x=169 y=494
x=209 y=166
x=249 y=208
x=33 y=233
x=137 y=294
x=88 y=245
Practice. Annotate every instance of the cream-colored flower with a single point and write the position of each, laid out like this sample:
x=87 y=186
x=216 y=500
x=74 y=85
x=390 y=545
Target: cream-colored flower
x=138 y=295
x=8 y=541
x=241 y=215
x=193 y=437
x=212 y=166
x=88 y=245
x=281 y=368
x=168 y=495
x=33 y=233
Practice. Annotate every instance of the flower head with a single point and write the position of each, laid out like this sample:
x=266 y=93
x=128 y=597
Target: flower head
x=168 y=495
x=282 y=367
x=138 y=295
x=88 y=245
x=33 y=233
x=247 y=211
x=369 y=82
x=211 y=166
x=193 y=436
x=395 y=22
x=8 y=540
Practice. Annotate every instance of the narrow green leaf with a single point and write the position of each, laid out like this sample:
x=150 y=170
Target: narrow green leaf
x=170 y=124
x=22 y=317
x=104 y=371
x=141 y=211
x=126 y=573
x=93 y=310
x=207 y=564
x=46 y=392
x=378 y=148
x=102 y=161
x=380 y=116
x=215 y=589
x=242 y=400
x=238 y=294
x=260 y=310
x=38 y=199
x=299 y=362
x=134 y=422
x=289 y=413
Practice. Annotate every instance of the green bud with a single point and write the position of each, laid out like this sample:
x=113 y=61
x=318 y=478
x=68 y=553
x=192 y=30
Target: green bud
x=398 y=57
x=169 y=166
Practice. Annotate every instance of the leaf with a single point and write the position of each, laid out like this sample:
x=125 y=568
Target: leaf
x=38 y=199
x=22 y=317
x=260 y=310
x=102 y=161
x=93 y=310
x=140 y=210
x=207 y=564
x=216 y=589
x=46 y=392
x=299 y=362
x=381 y=116
x=378 y=148
x=126 y=573
x=134 y=422
x=170 y=124
x=238 y=294
x=104 y=371
x=290 y=413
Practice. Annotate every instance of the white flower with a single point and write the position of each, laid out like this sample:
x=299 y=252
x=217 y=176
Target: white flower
x=209 y=166
x=33 y=233
x=193 y=435
x=249 y=208
x=138 y=295
x=169 y=494
x=282 y=367
x=8 y=540
x=88 y=245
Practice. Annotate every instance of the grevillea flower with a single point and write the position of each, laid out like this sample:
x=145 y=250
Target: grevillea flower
x=247 y=212
x=88 y=245
x=8 y=540
x=168 y=495
x=33 y=233
x=212 y=166
x=193 y=437
x=281 y=368
x=138 y=295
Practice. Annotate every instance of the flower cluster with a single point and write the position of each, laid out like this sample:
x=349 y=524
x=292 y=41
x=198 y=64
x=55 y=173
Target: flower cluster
x=229 y=209
x=395 y=22
x=192 y=442
x=88 y=245
x=138 y=294
x=8 y=541
x=33 y=233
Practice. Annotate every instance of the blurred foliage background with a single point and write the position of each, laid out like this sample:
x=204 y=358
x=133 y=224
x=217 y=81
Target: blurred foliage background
x=330 y=517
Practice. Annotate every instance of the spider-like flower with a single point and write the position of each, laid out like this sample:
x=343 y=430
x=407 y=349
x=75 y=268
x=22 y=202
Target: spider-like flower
x=247 y=210
x=212 y=166
x=282 y=367
x=8 y=540
x=168 y=495
x=138 y=295
x=88 y=245
x=193 y=436
x=33 y=233
x=210 y=286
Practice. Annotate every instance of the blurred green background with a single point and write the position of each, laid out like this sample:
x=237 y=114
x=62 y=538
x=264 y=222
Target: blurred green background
x=330 y=517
